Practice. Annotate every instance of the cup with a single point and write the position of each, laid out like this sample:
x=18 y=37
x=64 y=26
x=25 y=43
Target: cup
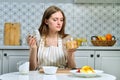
x=23 y=67
x=84 y=42
x=71 y=44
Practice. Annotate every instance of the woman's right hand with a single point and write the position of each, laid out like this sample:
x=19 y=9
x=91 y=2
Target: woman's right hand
x=31 y=40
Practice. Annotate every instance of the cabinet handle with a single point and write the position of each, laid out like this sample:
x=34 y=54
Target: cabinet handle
x=5 y=54
x=98 y=55
x=91 y=55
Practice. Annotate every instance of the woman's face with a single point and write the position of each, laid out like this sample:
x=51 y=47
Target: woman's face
x=55 y=22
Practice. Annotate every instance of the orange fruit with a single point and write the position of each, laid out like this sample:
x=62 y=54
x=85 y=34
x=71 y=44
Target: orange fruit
x=108 y=37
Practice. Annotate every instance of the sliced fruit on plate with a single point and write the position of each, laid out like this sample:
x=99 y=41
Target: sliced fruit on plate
x=86 y=69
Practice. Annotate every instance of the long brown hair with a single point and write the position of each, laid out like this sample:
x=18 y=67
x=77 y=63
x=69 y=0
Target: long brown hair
x=43 y=29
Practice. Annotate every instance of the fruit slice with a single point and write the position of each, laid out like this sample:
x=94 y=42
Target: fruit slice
x=87 y=69
x=78 y=70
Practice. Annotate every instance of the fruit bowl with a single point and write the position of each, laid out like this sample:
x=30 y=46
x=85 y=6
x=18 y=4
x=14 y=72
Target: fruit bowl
x=103 y=43
x=96 y=42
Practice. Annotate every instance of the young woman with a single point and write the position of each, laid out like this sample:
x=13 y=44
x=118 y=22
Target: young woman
x=48 y=48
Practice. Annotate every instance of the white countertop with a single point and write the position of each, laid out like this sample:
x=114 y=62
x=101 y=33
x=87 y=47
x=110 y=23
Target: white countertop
x=99 y=48
x=80 y=48
x=14 y=47
x=35 y=75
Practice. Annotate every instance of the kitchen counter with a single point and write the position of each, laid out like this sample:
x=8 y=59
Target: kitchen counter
x=80 y=48
x=99 y=48
x=14 y=47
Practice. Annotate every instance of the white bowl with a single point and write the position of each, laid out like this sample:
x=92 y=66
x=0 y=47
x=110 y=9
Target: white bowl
x=50 y=69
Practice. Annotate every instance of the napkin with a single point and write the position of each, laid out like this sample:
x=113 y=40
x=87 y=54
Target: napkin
x=24 y=68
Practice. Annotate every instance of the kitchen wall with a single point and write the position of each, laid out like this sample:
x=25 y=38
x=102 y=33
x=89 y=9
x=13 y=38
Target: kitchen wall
x=40 y=1
x=84 y=20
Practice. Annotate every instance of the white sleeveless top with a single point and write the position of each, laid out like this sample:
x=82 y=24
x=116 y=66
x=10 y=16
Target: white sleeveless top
x=51 y=56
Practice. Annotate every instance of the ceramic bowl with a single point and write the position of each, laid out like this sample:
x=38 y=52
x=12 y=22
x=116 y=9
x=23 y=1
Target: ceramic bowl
x=50 y=69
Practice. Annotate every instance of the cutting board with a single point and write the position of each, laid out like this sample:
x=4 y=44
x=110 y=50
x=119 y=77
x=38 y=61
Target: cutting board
x=61 y=71
x=12 y=34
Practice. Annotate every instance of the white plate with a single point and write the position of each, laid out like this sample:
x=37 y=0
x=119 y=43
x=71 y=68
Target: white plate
x=97 y=72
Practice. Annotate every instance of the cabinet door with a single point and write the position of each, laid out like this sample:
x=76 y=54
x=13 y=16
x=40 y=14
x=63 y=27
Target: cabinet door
x=109 y=62
x=84 y=58
x=0 y=61
x=11 y=57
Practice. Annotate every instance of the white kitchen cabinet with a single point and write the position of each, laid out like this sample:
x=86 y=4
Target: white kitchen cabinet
x=108 y=61
x=0 y=61
x=11 y=57
x=84 y=58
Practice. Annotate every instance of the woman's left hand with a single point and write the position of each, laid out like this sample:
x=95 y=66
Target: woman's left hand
x=70 y=58
x=71 y=51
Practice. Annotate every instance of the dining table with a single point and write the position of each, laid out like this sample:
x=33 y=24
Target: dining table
x=37 y=75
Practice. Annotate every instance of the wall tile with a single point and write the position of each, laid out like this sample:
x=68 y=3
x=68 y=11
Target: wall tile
x=84 y=20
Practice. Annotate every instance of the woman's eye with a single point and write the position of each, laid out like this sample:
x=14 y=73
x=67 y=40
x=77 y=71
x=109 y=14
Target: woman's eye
x=54 y=19
x=61 y=20
x=58 y=19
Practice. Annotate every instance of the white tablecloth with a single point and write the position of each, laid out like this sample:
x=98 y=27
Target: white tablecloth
x=35 y=75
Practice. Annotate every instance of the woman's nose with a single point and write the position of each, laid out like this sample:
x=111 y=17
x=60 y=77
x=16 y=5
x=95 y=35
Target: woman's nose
x=59 y=22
